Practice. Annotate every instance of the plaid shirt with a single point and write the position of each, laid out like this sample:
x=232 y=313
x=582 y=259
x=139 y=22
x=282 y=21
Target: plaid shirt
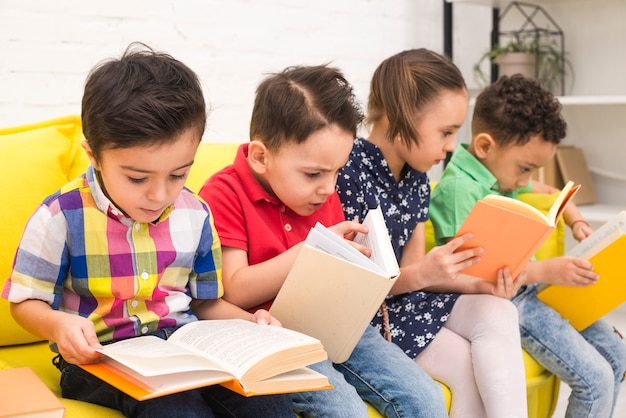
x=82 y=255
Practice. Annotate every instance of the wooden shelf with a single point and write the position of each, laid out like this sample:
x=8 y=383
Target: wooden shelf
x=592 y=100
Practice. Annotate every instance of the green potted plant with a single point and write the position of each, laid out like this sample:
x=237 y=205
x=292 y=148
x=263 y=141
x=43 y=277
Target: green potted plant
x=532 y=55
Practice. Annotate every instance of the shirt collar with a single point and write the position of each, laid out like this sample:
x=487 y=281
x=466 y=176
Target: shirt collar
x=255 y=191
x=464 y=161
x=377 y=163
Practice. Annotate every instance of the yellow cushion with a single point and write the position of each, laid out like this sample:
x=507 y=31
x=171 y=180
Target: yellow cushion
x=35 y=160
x=210 y=158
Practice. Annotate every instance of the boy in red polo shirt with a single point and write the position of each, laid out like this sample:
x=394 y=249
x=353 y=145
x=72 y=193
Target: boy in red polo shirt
x=281 y=183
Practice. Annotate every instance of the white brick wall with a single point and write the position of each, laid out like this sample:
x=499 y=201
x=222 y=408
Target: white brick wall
x=48 y=47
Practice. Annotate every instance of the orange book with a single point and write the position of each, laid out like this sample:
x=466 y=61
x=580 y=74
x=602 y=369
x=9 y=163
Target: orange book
x=605 y=249
x=509 y=231
x=248 y=358
x=24 y=395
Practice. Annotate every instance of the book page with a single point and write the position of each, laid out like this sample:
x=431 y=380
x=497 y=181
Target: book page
x=321 y=238
x=561 y=202
x=377 y=240
x=238 y=345
x=516 y=206
x=150 y=356
x=604 y=235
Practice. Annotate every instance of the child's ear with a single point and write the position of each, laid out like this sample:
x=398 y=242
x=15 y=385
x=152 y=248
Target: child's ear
x=257 y=156
x=90 y=155
x=483 y=144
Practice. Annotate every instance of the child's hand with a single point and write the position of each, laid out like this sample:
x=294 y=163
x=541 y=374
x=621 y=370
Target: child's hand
x=564 y=271
x=263 y=317
x=581 y=230
x=76 y=340
x=348 y=230
x=445 y=263
x=505 y=286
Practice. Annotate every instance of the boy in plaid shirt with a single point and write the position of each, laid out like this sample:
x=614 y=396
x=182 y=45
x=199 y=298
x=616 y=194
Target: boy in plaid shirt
x=125 y=250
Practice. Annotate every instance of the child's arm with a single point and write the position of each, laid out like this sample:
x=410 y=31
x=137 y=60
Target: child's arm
x=74 y=335
x=564 y=271
x=444 y=264
x=221 y=309
x=572 y=216
x=252 y=285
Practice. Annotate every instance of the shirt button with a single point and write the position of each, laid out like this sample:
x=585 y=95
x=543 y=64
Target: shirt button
x=114 y=212
x=137 y=227
x=288 y=227
x=145 y=275
x=282 y=209
x=134 y=303
x=144 y=330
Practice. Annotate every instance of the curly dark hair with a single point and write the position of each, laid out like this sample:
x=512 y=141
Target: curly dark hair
x=516 y=108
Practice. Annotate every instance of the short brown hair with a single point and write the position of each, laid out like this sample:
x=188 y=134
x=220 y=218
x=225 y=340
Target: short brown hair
x=291 y=105
x=404 y=84
x=143 y=98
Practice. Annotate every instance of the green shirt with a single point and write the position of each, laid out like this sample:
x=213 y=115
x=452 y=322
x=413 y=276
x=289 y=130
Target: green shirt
x=464 y=182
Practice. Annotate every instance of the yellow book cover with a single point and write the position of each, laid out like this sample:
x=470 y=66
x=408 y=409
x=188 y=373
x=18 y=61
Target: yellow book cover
x=582 y=306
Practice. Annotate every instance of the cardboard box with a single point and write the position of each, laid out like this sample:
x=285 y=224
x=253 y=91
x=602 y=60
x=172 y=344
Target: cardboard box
x=569 y=164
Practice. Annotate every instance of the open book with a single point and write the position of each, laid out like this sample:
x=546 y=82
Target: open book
x=245 y=357
x=605 y=248
x=333 y=291
x=509 y=231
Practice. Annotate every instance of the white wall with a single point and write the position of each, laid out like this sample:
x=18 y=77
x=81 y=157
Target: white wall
x=48 y=47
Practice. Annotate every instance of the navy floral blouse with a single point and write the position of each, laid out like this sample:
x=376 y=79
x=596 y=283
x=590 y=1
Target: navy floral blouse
x=366 y=182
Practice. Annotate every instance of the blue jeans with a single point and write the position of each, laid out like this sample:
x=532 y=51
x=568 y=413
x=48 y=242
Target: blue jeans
x=591 y=362
x=383 y=376
x=207 y=402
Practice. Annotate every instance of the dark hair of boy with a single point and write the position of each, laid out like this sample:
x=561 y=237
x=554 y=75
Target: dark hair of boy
x=516 y=108
x=406 y=83
x=291 y=105
x=143 y=98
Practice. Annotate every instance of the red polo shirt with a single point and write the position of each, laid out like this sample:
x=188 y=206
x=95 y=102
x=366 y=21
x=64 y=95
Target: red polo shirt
x=247 y=217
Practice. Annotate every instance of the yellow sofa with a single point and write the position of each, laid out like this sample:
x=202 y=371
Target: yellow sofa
x=36 y=159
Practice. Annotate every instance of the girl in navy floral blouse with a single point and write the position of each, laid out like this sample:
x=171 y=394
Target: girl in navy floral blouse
x=467 y=338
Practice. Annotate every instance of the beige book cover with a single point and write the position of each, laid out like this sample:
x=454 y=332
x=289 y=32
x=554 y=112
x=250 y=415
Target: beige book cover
x=333 y=291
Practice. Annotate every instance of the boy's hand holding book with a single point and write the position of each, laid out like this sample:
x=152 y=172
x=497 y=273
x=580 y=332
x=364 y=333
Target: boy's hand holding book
x=510 y=231
x=349 y=230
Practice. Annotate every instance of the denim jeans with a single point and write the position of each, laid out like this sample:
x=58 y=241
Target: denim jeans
x=591 y=362
x=207 y=402
x=383 y=376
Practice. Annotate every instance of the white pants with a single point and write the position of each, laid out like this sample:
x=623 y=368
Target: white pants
x=478 y=355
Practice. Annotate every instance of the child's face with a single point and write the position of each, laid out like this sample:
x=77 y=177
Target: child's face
x=513 y=165
x=303 y=176
x=144 y=181
x=437 y=125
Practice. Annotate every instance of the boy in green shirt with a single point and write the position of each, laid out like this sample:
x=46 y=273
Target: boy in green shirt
x=516 y=127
